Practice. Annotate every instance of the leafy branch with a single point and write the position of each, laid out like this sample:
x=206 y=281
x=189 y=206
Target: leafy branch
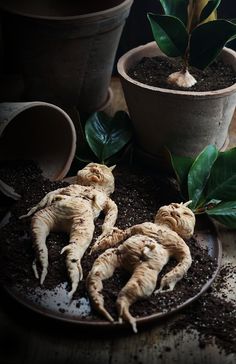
x=209 y=181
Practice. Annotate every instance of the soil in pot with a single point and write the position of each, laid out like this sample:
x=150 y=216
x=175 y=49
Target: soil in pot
x=154 y=71
x=138 y=195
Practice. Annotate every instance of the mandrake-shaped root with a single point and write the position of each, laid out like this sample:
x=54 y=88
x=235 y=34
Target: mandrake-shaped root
x=113 y=238
x=73 y=265
x=124 y=314
x=94 y=286
x=144 y=253
x=73 y=209
x=142 y=282
x=43 y=274
x=103 y=268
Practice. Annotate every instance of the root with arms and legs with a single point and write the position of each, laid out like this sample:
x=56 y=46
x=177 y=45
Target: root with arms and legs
x=143 y=258
x=146 y=248
x=73 y=210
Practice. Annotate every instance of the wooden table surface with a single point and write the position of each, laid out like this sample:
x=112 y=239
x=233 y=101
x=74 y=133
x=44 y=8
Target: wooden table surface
x=27 y=338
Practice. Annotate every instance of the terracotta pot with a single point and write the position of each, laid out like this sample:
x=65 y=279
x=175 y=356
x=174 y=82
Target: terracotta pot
x=38 y=131
x=184 y=121
x=65 y=50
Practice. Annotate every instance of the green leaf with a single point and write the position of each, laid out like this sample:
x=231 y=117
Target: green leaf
x=177 y=8
x=207 y=41
x=199 y=174
x=106 y=136
x=169 y=33
x=225 y=213
x=222 y=181
x=211 y=6
x=181 y=166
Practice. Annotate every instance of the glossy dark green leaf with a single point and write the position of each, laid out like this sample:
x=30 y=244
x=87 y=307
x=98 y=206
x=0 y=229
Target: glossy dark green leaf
x=181 y=166
x=225 y=213
x=207 y=41
x=211 y=6
x=199 y=174
x=169 y=33
x=222 y=181
x=177 y=8
x=106 y=136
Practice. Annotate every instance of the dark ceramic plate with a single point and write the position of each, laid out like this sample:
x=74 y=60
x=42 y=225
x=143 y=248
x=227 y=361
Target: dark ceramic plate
x=55 y=303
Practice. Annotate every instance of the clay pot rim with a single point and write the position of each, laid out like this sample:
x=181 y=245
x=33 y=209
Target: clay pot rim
x=107 y=13
x=139 y=52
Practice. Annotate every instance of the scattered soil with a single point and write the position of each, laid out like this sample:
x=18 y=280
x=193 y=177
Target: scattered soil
x=213 y=315
x=138 y=195
x=154 y=72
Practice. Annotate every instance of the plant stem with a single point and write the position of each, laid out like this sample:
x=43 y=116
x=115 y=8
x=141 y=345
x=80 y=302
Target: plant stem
x=190 y=26
x=191 y=15
x=199 y=210
x=185 y=60
x=194 y=10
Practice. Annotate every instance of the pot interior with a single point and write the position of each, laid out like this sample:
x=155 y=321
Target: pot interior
x=42 y=134
x=58 y=8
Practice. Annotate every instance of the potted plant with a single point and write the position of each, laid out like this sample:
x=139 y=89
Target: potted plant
x=182 y=118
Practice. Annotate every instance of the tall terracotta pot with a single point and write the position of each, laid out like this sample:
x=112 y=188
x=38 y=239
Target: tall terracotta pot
x=64 y=49
x=184 y=121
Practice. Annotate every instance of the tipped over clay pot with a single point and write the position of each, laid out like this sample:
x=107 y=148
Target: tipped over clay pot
x=38 y=131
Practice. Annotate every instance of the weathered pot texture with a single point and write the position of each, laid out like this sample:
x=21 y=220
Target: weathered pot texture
x=38 y=131
x=183 y=121
x=65 y=50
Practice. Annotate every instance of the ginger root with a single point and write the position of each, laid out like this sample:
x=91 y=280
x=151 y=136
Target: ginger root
x=145 y=250
x=73 y=209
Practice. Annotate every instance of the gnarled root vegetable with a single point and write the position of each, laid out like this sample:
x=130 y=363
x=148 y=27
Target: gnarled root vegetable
x=114 y=237
x=73 y=209
x=102 y=269
x=144 y=253
x=143 y=258
x=65 y=214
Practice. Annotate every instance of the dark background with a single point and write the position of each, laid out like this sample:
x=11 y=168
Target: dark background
x=137 y=30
